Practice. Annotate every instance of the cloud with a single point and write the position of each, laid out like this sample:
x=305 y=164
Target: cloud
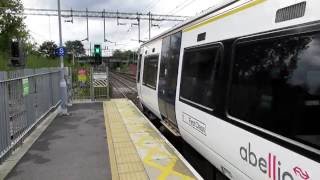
x=46 y=28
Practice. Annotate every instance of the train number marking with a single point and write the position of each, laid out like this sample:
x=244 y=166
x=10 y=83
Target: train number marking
x=195 y=124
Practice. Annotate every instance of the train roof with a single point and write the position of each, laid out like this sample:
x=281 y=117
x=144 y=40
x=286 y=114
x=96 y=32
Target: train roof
x=193 y=19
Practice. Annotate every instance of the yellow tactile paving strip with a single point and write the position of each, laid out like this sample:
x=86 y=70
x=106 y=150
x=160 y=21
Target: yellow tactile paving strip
x=136 y=150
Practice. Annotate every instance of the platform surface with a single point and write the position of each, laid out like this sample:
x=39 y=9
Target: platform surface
x=72 y=148
x=137 y=150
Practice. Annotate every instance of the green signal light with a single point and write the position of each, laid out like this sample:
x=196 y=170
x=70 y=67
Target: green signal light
x=97 y=49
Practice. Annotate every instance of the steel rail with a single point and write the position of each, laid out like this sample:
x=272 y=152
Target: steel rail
x=121 y=81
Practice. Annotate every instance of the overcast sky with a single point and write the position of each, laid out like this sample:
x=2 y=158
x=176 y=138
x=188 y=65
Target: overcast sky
x=46 y=28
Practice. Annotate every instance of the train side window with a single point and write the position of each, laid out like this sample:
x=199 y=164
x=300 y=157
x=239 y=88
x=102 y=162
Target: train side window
x=198 y=76
x=276 y=85
x=150 y=71
x=139 y=68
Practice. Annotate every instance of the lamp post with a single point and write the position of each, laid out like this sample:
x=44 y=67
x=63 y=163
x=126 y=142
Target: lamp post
x=63 y=84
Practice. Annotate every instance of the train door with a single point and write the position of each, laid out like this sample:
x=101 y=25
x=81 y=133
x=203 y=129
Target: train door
x=138 y=78
x=170 y=54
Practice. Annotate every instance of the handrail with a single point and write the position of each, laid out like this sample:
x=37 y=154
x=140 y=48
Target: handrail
x=29 y=76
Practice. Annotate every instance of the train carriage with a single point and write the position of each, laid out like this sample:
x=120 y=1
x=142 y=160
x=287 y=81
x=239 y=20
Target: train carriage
x=241 y=84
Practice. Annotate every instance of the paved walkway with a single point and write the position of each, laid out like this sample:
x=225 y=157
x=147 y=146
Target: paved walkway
x=72 y=148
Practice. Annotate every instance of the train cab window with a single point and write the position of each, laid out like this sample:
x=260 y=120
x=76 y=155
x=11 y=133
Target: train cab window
x=150 y=71
x=276 y=86
x=198 y=76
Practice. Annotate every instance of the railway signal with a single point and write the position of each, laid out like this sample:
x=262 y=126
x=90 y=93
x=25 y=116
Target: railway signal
x=18 y=57
x=97 y=54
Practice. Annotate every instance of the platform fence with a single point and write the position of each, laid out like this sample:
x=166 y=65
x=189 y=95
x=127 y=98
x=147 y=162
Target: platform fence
x=26 y=96
x=90 y=83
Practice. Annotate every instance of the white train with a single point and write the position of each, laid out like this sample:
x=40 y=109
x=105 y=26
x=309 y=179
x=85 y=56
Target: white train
x=241 y=84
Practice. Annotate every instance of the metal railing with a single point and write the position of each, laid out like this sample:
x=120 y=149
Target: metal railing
x=26 y=96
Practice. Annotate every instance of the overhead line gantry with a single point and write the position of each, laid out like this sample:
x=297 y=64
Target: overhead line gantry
x=103 y=14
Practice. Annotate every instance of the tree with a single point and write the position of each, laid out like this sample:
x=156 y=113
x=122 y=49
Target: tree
x=123 y=55
x=48 y=48
x=11 y=24
x=117 y=54
x=75 y=47
x=31 y=47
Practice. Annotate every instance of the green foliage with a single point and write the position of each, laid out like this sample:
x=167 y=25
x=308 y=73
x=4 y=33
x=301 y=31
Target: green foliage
x=33 y=62
x=124 y=55
x=11 y=26
x=76 y=47
x=124 y=68
x=48 y=48
x=31 y=48
x=4 y=62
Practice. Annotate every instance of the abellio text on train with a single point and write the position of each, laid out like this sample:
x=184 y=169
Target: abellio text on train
x=271 y=166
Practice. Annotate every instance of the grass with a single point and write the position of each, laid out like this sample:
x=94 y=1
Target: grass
x=33 y=62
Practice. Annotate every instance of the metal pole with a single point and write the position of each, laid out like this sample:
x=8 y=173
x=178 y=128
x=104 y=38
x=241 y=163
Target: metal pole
x=138 y=18
x=87 y=24
x=104 y=26
x=63 y=84
x=71 y=16
x=91 y=85
x=149 y=25
x=134 y=58
x=72 y=58
x=50 y=28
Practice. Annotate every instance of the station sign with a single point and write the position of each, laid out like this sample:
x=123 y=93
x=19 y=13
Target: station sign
x=82 y=75
x=61 y=51
x=100 y=76
x=25 y=86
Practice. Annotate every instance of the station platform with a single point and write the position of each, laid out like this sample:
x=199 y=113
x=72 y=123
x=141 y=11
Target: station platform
x=104 y=140
x=137 y=150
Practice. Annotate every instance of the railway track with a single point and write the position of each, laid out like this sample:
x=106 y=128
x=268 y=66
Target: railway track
x=130 y=84
x=130 y=77
x=125 y=78
x=123 y=88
